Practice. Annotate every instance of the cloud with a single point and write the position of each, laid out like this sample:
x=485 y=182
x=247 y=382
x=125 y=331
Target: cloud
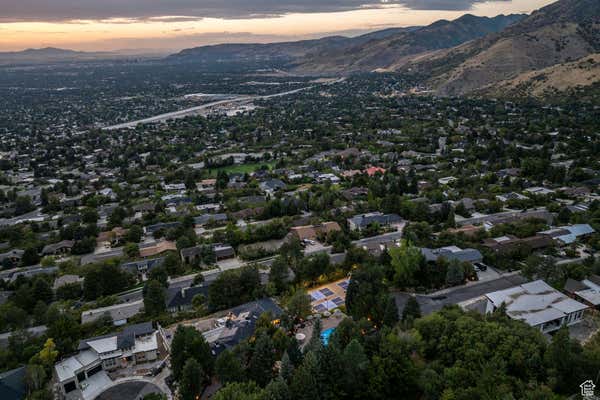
x=72 y=10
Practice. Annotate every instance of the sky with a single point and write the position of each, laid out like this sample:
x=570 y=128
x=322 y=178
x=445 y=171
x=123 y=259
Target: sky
x=171 y=25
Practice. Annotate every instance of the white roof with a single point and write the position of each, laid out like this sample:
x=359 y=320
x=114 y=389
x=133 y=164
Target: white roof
x=535 y=302
x=104 y=345
x=147 y=343
x=67 y=368
x=590 y=295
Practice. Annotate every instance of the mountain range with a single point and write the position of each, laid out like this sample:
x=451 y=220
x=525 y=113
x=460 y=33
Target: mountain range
x=548 y=49
x=558 y=34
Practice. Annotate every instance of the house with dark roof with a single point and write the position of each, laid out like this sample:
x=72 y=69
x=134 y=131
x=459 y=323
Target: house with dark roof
x=510 y=243
x=12 y=384
x=239 y=324
x=62 y=247
x=180 y=299
x=451 y=253
x=272 y=185
x=151 y=229
x=205 y=219
x=359 y=222
x=143 y=267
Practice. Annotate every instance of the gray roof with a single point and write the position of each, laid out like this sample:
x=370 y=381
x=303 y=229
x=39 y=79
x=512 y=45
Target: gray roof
x=451 y=253
x=206 y=218
x=364 y=220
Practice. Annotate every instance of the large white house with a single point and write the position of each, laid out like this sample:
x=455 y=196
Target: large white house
x=537 y=304
x=84 y=375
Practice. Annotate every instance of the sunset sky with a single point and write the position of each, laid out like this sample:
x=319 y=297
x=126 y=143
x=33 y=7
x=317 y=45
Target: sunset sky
x=169 y=25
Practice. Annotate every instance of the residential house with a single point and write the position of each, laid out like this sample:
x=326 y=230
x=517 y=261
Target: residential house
x=587 y=291
x=271 y=186
x=67 y=280
x=537 y=304
x=205 y=219
x=312 y=232
x=180 y=299
x=156 y=248
x=14 y=256
x=12 y=384
x=141 y=268
x=569 y=234
x=239 y=324
x=62 y=247
x=359 y=222
x=118 y=313
x=510 y=243
x=451 y=253
x=136 y=344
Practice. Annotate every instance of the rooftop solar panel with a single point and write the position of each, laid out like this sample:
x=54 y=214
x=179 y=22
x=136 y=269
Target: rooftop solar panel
x=326 y=291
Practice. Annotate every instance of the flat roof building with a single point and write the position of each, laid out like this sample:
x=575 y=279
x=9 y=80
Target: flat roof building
x=538 y=305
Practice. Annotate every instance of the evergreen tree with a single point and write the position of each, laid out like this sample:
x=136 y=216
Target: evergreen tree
x=260 y=367
x=192 y=381
x=412 y=310
x=229 y=368
x=390 y=318
x=154 y=298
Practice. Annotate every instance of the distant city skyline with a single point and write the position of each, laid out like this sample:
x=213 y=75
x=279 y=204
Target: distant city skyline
x=172 y=25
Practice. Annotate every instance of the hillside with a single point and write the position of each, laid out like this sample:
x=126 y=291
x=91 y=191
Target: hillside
x=398 y=49
x=549 y=81
x=48 y=54
x=559 y=33
x=277 y=52
x=338 y=54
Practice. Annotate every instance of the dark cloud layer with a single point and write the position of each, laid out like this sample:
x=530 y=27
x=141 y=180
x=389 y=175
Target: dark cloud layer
x=65 y=10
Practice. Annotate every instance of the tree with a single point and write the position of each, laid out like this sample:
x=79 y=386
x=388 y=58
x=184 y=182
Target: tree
x=411 y=310
x=42 y=290
x=298 y=306
x=277 y=389
x=287 y=367
x=367 y=295
x=189 y=343
x=159 y=274
x=240 y=391
x=278 y=276
x=192 y=381
x=229 y=368
x=131 y=250
x=30 y=256
x=105 y=279
x=48 y=354
x=315 y=344
x=305 y=383
x=154 y=298
x=134 y=235
x=35 y=376
x=390 y=317
x=407 y=260
x=64 y=329
x=564 y=362
x=456 y=274
x=260 y=367
x=172 y=264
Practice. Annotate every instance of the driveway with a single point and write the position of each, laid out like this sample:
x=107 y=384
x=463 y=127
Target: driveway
x=134 y=390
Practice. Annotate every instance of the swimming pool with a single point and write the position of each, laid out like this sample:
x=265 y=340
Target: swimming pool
x=325 y=335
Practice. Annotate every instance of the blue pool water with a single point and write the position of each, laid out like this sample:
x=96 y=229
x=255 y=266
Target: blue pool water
x=325 y=335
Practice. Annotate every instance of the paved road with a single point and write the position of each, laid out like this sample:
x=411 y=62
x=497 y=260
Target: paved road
x=193 y=110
